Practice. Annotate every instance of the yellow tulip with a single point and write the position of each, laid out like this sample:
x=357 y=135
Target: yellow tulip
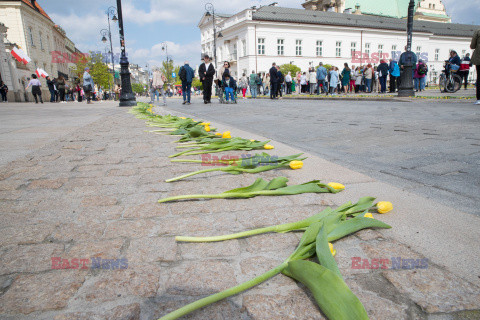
x=333 y=251
x=207 y=128
x=183 y=118
x=205 y=123
x=218 y=133
x=226 y=135
x=296 y=164
x=384 y=207
x=268 y=147
x=336 y=186
x=252 y=140
x=368 y=215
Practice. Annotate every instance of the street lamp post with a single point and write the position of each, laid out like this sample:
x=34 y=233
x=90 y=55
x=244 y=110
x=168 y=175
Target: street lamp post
x=209 y=8
x=104 y=33
x=127 y=98
x=406 y=77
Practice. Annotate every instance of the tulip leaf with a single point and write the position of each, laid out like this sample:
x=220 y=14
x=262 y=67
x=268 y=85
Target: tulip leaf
x=332 y=295
x=353 y=225
x=324 y=255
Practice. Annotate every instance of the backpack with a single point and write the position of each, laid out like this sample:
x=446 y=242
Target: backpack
x=422 y=70
x=182 y=74
x=259 y=81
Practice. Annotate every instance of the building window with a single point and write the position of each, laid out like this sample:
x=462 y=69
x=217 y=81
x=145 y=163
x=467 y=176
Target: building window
x=244 y=48
x=261 y=45
x=30 y=35
x=298 y=47
x=433 y=6
x=380 y=51
x=234 y=56
x=41 y=42
x=338 y=49
x=280 y=47
x=437 y=53
x=419 y=51
x=319 y=48
x=367 y=48
x=353 y=48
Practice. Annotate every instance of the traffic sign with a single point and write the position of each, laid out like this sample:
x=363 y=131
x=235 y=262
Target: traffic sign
x=174 y=75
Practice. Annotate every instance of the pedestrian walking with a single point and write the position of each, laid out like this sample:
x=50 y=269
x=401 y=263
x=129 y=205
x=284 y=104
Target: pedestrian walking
x=358 y=79
x=88 y=85
x=266 y=84
x=346 y=74
x=352 y=79
x=312 y=77
x=273 y=81
x=382 y=75
x=475 y=45
x=158 y=83
x=206 y=72
x=36 y=88
x=254 y=84
x=220 y=77
x=303 y=82
x=3 y=91
x=243 y=84
x=51 y=88
x=288 y=82
x=464 y=70
x=419 y=75
x=186 y=75
x=394 y=71
x=61 y=88
x=334 y=77
x=321 y=76
x=368 y=73
x=280 y=81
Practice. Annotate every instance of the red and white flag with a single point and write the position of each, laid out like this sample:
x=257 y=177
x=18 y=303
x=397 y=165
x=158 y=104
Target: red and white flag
x=20 y=55
x=41 y=73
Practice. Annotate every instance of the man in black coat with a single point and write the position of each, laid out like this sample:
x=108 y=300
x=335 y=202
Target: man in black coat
x=273 y=81
x=206 y=72
x=51 y=88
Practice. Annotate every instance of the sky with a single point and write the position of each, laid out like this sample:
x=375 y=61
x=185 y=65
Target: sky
x=149 y=23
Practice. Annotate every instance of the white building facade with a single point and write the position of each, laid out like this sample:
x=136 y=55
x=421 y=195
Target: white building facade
x=254 y=38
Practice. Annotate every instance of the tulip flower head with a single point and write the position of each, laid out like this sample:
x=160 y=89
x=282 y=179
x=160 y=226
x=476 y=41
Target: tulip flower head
x=333 y=251
x=183 y=118
x=207 y=128
x=205 y=123
x=268 y=146
x=218 y=133
x=384 y=207
x=336 y=186
x=368 y=215
x=295 y=164
x=226 y=135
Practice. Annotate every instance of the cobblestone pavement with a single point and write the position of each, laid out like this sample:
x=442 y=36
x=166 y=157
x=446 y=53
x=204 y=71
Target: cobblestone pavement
x=431 y=148
x=92 y=194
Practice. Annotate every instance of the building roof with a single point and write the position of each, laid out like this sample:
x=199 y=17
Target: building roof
x=34 y=5
x=388 y=8
x=290 y=15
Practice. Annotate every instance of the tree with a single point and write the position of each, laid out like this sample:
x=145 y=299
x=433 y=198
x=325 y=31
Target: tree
x=196 y=83
x=286 y=68
x=167 y=69
x=138 y=87
x=98 y=69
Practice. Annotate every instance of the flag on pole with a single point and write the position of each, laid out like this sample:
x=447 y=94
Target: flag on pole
x=41 y=73
x=20 y=55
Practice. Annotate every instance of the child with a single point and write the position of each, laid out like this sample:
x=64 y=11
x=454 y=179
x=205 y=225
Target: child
x=230 y=86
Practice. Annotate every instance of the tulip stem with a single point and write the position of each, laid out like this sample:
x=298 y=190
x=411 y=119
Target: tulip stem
x=192 y=174
x=224 y=294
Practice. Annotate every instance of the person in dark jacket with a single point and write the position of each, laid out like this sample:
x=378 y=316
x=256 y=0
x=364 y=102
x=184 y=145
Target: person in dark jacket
x=454 y=62
x=394 y=71
x=61 y=88
x=206 y=72
x=280 y=80
x=382 y=75
x=51 y=88
x=230 y=86
x=3 y=91
x=475 y=45
x=186 y=74
x=273 y=81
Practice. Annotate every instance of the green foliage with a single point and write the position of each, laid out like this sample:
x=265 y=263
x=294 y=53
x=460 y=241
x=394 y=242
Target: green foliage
x=167 y=69
x=138 y=87
x=196 y=83
x=286 y=68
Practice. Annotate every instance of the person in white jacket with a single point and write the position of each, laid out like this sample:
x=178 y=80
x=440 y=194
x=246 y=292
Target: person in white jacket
x=158 y=82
